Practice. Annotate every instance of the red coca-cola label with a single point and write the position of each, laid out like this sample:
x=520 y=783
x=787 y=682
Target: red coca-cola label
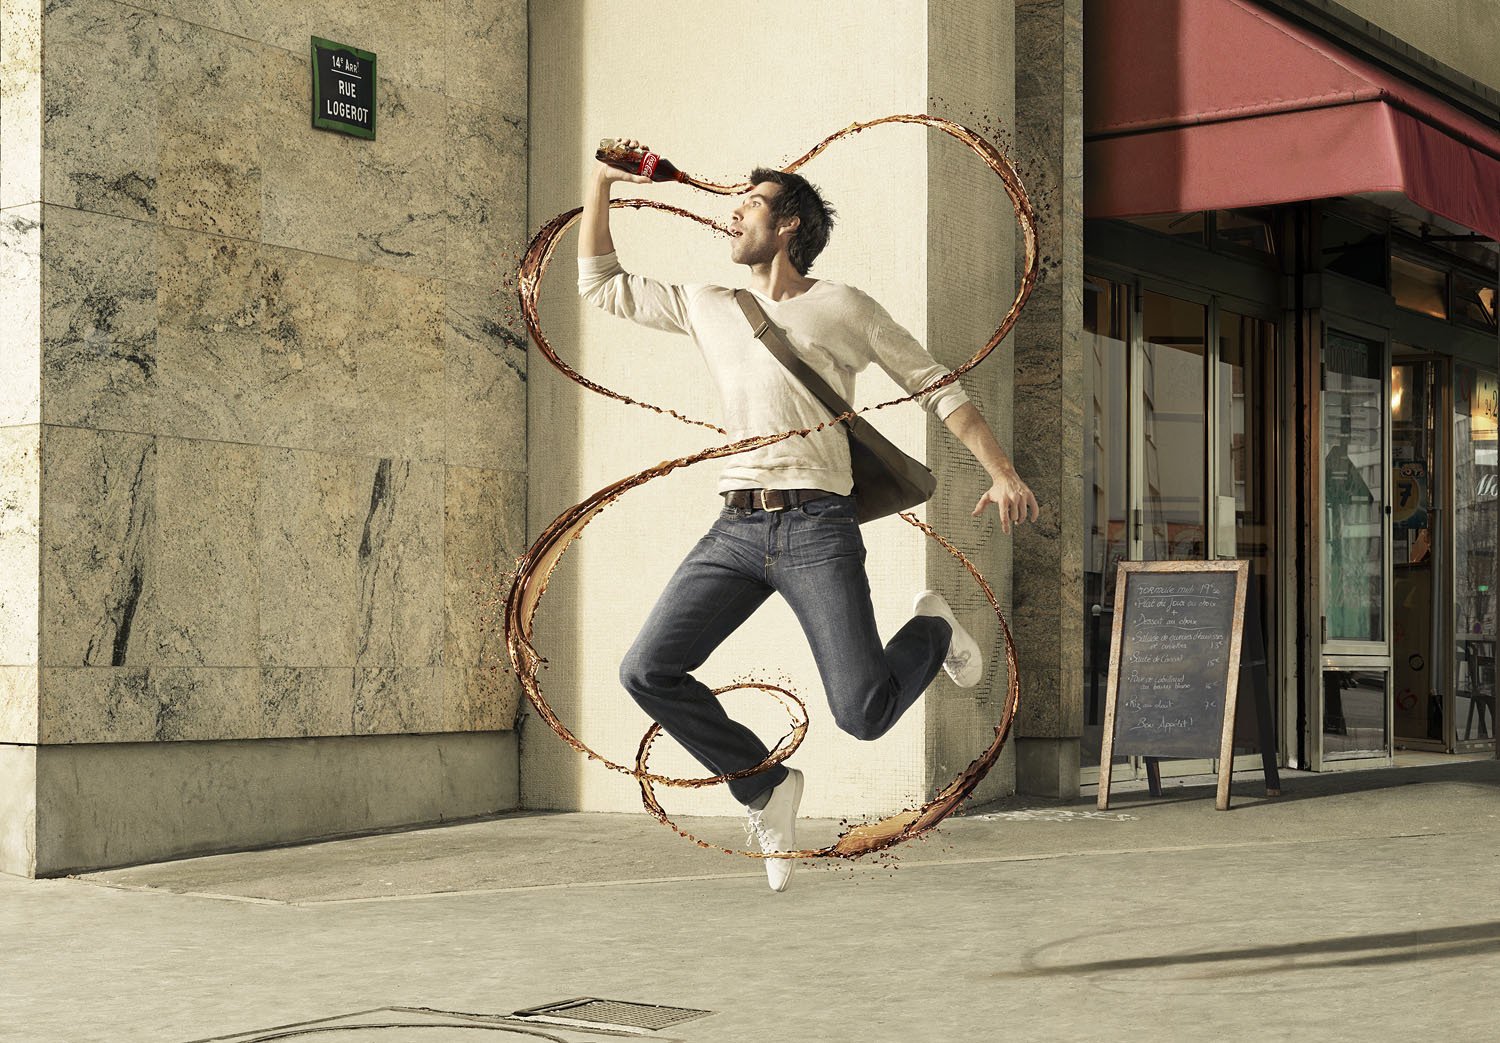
x=648 y=164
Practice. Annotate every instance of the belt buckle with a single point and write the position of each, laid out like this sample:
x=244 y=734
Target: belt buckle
x=765 y=504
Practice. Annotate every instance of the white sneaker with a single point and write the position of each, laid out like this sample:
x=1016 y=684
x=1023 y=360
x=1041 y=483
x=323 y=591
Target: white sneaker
x=964 y=663
x=775 y=827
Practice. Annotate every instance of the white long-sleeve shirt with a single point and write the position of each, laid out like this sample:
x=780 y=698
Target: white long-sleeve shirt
x=836 y=329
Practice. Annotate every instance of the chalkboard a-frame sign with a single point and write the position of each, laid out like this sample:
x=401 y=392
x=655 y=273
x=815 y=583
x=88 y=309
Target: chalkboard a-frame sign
x=1174 y=664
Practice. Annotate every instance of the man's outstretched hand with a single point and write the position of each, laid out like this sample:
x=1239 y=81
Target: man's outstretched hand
x=1013 y=498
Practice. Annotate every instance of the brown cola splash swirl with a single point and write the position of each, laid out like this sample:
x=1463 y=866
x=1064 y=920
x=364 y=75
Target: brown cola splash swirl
x=534 y=569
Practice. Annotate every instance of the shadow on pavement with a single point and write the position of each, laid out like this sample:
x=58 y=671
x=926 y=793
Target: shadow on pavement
x=1359 y=951
x=1247 y=789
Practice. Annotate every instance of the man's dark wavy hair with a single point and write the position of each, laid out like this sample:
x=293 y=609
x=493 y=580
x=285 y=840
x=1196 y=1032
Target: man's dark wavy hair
x=799 y=198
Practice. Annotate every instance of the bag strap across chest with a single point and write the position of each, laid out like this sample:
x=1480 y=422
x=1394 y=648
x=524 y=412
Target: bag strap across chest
x=769 y=334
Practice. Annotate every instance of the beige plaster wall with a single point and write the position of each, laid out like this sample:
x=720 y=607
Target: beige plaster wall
x=1458 y=33
x=719 y=94
x=262 y=415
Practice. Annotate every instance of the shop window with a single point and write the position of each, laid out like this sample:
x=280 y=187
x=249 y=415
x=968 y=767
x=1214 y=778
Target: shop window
x=1354 y=250
x=1417 y=287
x=1173 y=418
x=1245 y=230
x=1474 y=302
x=1188 y=228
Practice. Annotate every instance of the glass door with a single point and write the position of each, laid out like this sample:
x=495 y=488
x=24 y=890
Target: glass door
x=1420 y=712
x=1476 y=393
x=1179 y=460
x=1354 y=550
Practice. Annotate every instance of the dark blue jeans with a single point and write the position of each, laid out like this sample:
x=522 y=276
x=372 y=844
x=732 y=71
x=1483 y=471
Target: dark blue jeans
x=814 y=557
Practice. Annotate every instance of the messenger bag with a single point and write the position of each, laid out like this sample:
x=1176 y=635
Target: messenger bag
x=886 y=480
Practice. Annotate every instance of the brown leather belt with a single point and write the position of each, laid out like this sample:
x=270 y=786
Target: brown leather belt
x=772 y=499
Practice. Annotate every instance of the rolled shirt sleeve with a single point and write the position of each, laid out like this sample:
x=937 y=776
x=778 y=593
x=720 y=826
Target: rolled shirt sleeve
x=606 y=285
x=911 y=365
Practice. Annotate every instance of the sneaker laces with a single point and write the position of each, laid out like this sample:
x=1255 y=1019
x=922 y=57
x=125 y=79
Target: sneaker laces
x=755 y=829
x=958 y=660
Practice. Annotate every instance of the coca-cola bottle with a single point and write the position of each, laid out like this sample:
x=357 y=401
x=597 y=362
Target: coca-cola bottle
x=637 y=161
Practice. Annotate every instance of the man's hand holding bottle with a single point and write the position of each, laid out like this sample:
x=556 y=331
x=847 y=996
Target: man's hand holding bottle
x=625 y=159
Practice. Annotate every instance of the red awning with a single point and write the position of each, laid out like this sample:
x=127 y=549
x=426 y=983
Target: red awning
x=1214 y=104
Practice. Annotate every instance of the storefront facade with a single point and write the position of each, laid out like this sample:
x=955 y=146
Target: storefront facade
x=1289 y=357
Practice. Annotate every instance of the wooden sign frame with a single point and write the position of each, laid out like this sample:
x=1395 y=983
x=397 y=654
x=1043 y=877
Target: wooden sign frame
x=1128 y=569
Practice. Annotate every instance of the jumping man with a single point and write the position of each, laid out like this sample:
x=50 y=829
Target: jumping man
x=788 y=520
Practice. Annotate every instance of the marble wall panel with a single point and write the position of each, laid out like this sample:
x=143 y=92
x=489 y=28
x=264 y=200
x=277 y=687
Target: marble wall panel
x=149 y=551
x=397 y=700
x=20 y=544
x=399 y=570
x=206 y=584
x=309 y=358
x=484 y=377
x=152 y=704
x=480 y=698
x=98 y=529
x=208 y=153
x=398 y=374
x=486 y=46
x=381 y=202
x=306 y=701
x=21 y=314
x=89 y=704
x=18 y=704
x=212 y=330
x=174 y=704
x=351 y=561
x=102 y=93
x=352 y=359
x=486 y=195
x=98 y=320
x=279 y=24
x=484 y=532
x=20 y=102
x=309 y=519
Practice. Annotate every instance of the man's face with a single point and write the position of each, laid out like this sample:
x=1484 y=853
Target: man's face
x=757 y=241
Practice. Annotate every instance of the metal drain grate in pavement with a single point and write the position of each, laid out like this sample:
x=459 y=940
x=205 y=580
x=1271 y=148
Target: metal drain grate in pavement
x=614 y=1013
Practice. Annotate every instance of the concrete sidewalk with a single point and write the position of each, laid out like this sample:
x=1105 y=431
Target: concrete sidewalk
x=1360 y=905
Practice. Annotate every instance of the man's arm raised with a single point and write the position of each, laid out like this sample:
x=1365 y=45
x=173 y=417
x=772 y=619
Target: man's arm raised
x=593 y=231
x=1007 y=492
x=601 y=280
